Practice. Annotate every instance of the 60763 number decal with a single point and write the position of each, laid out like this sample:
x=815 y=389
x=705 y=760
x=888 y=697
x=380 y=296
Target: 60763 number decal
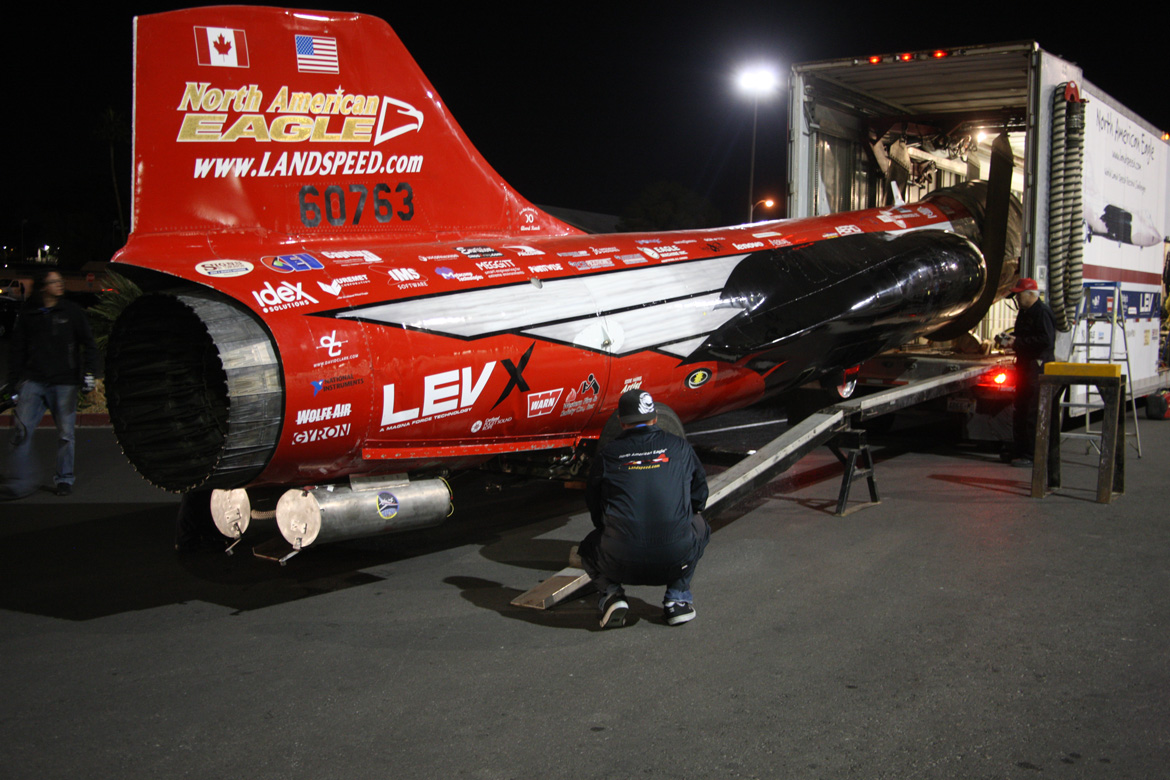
x=336 y=208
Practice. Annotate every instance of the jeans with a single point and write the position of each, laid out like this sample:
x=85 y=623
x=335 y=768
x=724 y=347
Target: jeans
x=34 y=399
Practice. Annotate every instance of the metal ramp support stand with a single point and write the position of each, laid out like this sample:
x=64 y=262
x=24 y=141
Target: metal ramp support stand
x=1110 y=383
x=1090 y=312
x=851 y=449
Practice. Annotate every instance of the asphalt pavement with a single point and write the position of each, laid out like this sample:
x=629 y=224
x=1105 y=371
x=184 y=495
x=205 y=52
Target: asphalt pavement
x=959 y=629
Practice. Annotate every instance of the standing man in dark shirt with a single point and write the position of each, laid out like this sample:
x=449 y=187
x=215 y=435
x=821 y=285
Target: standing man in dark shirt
x=1033 y=340
x=645 y=492
x=53 y=357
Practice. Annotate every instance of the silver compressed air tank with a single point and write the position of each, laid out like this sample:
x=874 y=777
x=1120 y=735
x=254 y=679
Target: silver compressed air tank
x=332 y=513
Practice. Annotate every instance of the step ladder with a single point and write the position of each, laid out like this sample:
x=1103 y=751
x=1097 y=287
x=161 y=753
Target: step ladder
x=1101 y=303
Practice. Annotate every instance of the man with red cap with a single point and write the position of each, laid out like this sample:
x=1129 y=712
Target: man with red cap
x=1033 y=340
x=645 y=491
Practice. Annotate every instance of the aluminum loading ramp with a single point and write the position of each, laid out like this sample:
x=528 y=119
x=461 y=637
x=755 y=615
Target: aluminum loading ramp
x=737 y=483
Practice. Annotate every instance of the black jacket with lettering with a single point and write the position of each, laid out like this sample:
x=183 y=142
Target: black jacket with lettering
x=52 y=346
x=1035 y=333
x=643 y=490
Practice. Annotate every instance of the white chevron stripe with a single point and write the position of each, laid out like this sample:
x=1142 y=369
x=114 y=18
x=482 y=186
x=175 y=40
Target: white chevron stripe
x=566 y=310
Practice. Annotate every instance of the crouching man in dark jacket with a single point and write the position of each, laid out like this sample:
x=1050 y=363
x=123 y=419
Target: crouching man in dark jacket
x=645 y=492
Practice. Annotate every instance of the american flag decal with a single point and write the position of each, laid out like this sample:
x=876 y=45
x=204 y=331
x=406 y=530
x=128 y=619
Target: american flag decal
x=316 y=54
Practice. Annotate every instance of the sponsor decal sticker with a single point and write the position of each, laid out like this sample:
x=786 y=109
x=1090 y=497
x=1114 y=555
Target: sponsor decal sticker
x=893 y=217
x=501 y=267
x=321 y=434
x=287 y=264
x=404 y=274
x=592 y=265
x=457 y=276
x=848 y=230
x=336 y=288
x=224 y=269
x=453 y=392
x=546 y=268
x=583 y=398
x=336 y=383
x=387 y=505
x=331 y=344
x=633 y=383
x=664 y=252
x=444 y=394
x=523 y=250
x=698 y=378
x=528 y=220
x=286 y=296
x=477 y=252
x=361 y=255
x=543 y=402
x=323 y=414
x=489 y=423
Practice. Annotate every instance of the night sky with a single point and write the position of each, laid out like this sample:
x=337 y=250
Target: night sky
x=578 y=106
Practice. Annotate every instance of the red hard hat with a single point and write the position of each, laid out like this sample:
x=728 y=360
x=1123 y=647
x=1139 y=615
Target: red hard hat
x=1025 y=283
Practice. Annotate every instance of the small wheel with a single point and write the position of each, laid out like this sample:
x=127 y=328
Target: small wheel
x=840 y=383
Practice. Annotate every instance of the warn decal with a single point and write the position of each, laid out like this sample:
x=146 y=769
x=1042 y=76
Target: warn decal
x=544 y=402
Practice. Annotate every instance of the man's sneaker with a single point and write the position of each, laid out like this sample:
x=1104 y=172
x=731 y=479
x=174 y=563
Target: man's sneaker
x=63 y=489
x=613 y=610
x=678 y=612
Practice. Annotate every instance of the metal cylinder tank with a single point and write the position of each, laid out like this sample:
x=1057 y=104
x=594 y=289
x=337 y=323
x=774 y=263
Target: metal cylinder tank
x=333 y=513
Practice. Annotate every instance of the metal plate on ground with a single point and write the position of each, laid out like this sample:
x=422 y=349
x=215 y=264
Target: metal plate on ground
x=563 y=585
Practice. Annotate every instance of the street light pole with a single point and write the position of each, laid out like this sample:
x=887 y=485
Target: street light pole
x=752 y=169
x=757 y=82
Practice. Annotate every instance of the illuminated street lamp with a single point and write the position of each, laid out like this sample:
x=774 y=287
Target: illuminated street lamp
x=759 y=81
x=766 y=203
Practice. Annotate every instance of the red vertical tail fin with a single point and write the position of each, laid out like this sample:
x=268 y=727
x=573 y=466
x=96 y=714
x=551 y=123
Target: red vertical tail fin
x=299 y=122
